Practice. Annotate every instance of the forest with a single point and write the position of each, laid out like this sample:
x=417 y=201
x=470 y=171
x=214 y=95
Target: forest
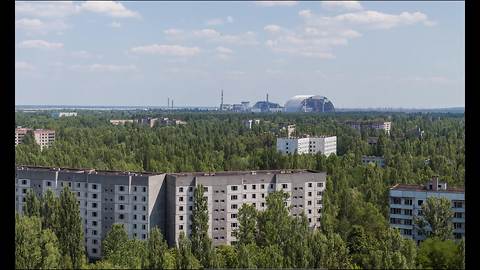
x=354 y=229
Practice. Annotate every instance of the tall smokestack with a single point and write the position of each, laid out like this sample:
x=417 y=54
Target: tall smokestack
x=172 y=103
x=221 y=101
x=168 y=103
x=268 y=104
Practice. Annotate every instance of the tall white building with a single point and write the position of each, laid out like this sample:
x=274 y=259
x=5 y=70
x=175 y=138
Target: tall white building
x=326 y=145
x=406 y=203
x=43 y=137
x=376 y=125
x=64 y=114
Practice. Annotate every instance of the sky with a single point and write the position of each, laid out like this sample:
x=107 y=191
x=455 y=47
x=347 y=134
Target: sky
x=367 y=54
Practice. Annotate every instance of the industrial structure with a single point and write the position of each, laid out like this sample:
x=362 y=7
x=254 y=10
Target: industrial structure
x=309 y=103
x=326 y=145
x=141 y=201
x=375 y=125
x=406 y=204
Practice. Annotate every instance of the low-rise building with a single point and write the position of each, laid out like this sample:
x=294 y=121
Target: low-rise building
x=379 y=161
x=326 y=145
x=406 y=203
x=64 y=114
x=290 y=130
x=376 y=125
x=43 y=137
x=148 y=121
x=122 y=121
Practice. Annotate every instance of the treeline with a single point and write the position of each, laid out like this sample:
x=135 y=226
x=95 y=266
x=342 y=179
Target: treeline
x=48 y=236
x=219 y=142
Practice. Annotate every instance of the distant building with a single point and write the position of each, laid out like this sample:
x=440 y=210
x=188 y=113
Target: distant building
x=290 y=130
x=43 y=137
x=377 y=125
x=265 y=106
x=326 y=145
x=148 y=121
x=170 y=122
x=226 y=107
x=309 y=103
x=63 y=114
x=122 y=122
x=373 y=141
x=379 y=161
x=248 y=123
x=406 y=202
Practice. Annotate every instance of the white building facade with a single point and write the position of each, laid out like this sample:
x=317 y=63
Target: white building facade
x=326 y=145
x=406 y=203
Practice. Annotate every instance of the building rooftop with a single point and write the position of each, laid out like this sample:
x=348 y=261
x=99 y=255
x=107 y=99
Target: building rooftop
x=107 y=172
x=412 y=187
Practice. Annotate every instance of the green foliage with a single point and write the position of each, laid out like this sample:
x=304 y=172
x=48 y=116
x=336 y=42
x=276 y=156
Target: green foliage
x=35 y=248
x=114 y=245
x=32 y=204
x=247 y=219
x=157 y=250
x=70 y=229
x=437 y=214
x=184 y=257
x=435 y=253
x=201 y=242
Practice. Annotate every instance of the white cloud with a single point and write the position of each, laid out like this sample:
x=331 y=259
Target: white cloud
x=104 y=68
x=276 y=3
x=216 y=21
x=110 y=8
x=85 y=55
x=381 y=20
x=40 y=44
x=224 y=50
x=207 y=33
x=306 y=13
x=173 y=50
x=21 y=65
x=57 y=9
x=272 y=28
x=173 y=32
x=37 y=26
x=341 y=5
x=230 y=19
x=115 y=25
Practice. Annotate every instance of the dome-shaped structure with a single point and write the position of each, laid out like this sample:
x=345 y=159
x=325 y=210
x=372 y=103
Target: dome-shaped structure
x=309 y=103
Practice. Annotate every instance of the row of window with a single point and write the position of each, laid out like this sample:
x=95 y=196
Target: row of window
x=190 y=189
x=135 y=189
x=400 y=221
x=398 y=211
x=122 y=198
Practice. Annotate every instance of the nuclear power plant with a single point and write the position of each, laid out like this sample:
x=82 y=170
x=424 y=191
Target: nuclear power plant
x=299 y=103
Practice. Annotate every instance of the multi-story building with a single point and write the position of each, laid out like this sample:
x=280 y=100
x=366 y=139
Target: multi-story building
x=250 y=122
x=64 y=114
x=326 y=145
x=43 y=137
x=141 y=201
x=377 y=125
x=406 y=203
x=226 y=192
x=379 y=161
x=105 y=197
x=148 y=121
x=117 y=122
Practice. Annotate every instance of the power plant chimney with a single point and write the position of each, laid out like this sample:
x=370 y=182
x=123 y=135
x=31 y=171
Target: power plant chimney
x=221 y=102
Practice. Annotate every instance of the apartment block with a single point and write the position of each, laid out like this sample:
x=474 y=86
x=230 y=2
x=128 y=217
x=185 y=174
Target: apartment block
x=376 y=125
x=326 y=145
x=117 y=122
x=141 y=201
x=226 y=192
x=133 y=199
x=43 y=137
x=379 y=161
x=406 y=203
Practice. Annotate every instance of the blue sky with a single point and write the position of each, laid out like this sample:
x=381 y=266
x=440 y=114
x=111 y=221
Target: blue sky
x=358 y=54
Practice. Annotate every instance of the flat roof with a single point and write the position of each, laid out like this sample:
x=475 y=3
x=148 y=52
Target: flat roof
x=108 y=172
x=412 y=187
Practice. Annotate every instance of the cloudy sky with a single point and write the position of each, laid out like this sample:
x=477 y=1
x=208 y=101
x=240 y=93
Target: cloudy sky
x=358 y=54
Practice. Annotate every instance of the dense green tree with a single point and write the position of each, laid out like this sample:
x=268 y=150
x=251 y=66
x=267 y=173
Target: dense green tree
x=157 y=250
x=184 y=256
x=70 y=229
x=437 y=215
x=114 y=244
x=247 y=220
x=49 y=211
x=229 y=255
x=435 y=253
x=32 y=204
x=201 y=242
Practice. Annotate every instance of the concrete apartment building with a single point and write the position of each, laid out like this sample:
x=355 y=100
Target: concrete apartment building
x=141 y=201
x=43 y=137
x=379 y=161
x=117 y=122
x=326 y=145
x=105 y=198
x=376 y=125
x=406 y=201
x=226 y=192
